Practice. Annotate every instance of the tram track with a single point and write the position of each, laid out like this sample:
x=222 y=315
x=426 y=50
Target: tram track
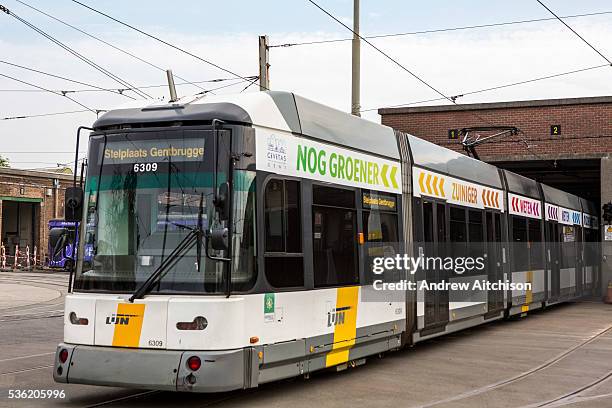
x=50 y=308
x=123 y=399
x=497 y=385
x=571 y=397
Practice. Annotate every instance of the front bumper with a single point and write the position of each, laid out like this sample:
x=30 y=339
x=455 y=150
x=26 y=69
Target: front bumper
x=155 y=369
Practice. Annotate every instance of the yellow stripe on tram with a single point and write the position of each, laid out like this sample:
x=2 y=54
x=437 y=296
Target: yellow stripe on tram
x=529 y=294
x=345 y=329
x=128 y=325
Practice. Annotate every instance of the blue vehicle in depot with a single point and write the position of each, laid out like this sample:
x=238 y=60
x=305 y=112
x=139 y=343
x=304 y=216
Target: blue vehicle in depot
x=63 y=244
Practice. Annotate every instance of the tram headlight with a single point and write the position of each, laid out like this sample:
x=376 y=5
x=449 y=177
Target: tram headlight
x=199 y=323
x=81 y=321
x=194 y=363
x=63 y=356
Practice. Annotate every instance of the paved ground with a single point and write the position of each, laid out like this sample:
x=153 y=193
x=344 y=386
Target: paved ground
x=560 y=357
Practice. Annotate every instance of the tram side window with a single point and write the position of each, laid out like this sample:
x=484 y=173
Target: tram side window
x=458 y=232
x=476 y=246
x=379 y=227
x=568 y=246
x=590 y=246
x=284 y=260
x=334 y=228
x=520 y=251
x=536 y=258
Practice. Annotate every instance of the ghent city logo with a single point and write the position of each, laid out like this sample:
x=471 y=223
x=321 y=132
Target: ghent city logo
x=276 y=154
x=336 y=316
x=119 y=319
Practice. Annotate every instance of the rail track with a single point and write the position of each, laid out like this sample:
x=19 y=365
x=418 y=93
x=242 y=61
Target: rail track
x=500 y=384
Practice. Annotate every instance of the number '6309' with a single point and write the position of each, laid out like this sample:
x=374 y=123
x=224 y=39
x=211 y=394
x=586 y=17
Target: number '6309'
x=144 y=167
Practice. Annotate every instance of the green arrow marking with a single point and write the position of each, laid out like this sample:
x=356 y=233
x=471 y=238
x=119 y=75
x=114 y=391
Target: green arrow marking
x=383 y=175
x=392 y=176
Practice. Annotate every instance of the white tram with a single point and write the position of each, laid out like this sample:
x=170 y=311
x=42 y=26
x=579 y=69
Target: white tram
x=231 y=241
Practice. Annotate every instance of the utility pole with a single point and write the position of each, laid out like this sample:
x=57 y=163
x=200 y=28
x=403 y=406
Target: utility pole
x=264 y=65
x=356 y=62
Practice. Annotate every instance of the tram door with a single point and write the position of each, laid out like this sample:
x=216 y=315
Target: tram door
x=495 y=273
x=435 y=244
x=553 y=256
x=579 y=261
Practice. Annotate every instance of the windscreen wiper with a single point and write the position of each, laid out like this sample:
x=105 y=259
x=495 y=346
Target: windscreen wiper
x=165 y=266
x=195 y=235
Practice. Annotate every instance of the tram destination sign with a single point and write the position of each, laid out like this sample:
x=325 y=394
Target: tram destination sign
x=282 y=153
x=149 y=151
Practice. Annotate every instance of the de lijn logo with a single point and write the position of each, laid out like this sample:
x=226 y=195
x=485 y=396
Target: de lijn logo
x=336 y=316
x=119 y=319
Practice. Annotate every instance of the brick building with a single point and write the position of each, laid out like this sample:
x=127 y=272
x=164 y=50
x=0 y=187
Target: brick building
x=565 y=143
x=28 y=200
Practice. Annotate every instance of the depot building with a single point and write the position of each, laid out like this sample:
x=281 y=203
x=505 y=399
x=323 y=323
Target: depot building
x=564 y=143
x=28 y=200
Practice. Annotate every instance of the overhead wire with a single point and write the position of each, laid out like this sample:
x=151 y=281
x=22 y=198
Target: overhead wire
x=575 y=32
x=102 y=110
x=451 y=99
x=120 y=90
x=149 y=63
x=65 y=79
x=47 y=114
x=163 y=41
x=393 y=60
x=50 y=91
x=494 y=87
x=438 y=30
x=76 y=53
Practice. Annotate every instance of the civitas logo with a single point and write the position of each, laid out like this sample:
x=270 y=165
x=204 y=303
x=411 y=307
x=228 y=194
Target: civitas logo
x=119 y=319
x=276 y=154
x=336 y=316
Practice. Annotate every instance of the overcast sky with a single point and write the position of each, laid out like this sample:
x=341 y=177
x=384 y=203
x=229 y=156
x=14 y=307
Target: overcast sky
x=226 y=32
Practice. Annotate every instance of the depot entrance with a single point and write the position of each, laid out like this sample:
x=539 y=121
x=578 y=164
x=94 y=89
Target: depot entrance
x=19 y=224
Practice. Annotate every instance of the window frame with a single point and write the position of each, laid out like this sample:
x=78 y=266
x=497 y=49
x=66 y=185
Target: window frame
x=284 y=254
x=357 y=212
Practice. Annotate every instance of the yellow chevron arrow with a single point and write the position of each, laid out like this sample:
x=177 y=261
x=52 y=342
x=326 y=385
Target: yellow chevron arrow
x=442 y=187
x=392 y=176
x=435 y=185
x=421 y=178
x=383 y=175
x=428 y=183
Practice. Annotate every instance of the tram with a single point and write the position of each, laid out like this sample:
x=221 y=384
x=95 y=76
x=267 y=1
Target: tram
x=232 y=237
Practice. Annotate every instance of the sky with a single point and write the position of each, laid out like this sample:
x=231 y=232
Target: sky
x=453 y=62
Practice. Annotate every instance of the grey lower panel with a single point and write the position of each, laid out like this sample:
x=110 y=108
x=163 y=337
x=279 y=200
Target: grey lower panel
x=220 y=370
x=123 y=367
x=154 y=369
x=289 y=359
x=452 y=327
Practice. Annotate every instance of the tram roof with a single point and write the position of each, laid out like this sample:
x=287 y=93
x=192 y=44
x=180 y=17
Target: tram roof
x=561 y=198
x=271 y=109
x=440 y=159
x=522 y=185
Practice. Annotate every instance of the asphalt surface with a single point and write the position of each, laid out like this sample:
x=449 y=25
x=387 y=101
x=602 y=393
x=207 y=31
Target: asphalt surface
x=558 y=357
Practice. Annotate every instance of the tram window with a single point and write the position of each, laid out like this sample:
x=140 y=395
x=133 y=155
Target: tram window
x=475 y=233
x=568 y=246
x=535 y=244
x=458 y=232
x=519 y=241
x=284 y=261
x=334 y=230
x=282 y=216
x=381 y=237
x=428 y=222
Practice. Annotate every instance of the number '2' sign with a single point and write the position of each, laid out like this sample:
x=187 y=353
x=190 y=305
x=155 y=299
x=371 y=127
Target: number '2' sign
x=555 y=130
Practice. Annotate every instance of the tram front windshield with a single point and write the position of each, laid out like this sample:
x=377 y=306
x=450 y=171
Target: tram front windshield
x=145 y=192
